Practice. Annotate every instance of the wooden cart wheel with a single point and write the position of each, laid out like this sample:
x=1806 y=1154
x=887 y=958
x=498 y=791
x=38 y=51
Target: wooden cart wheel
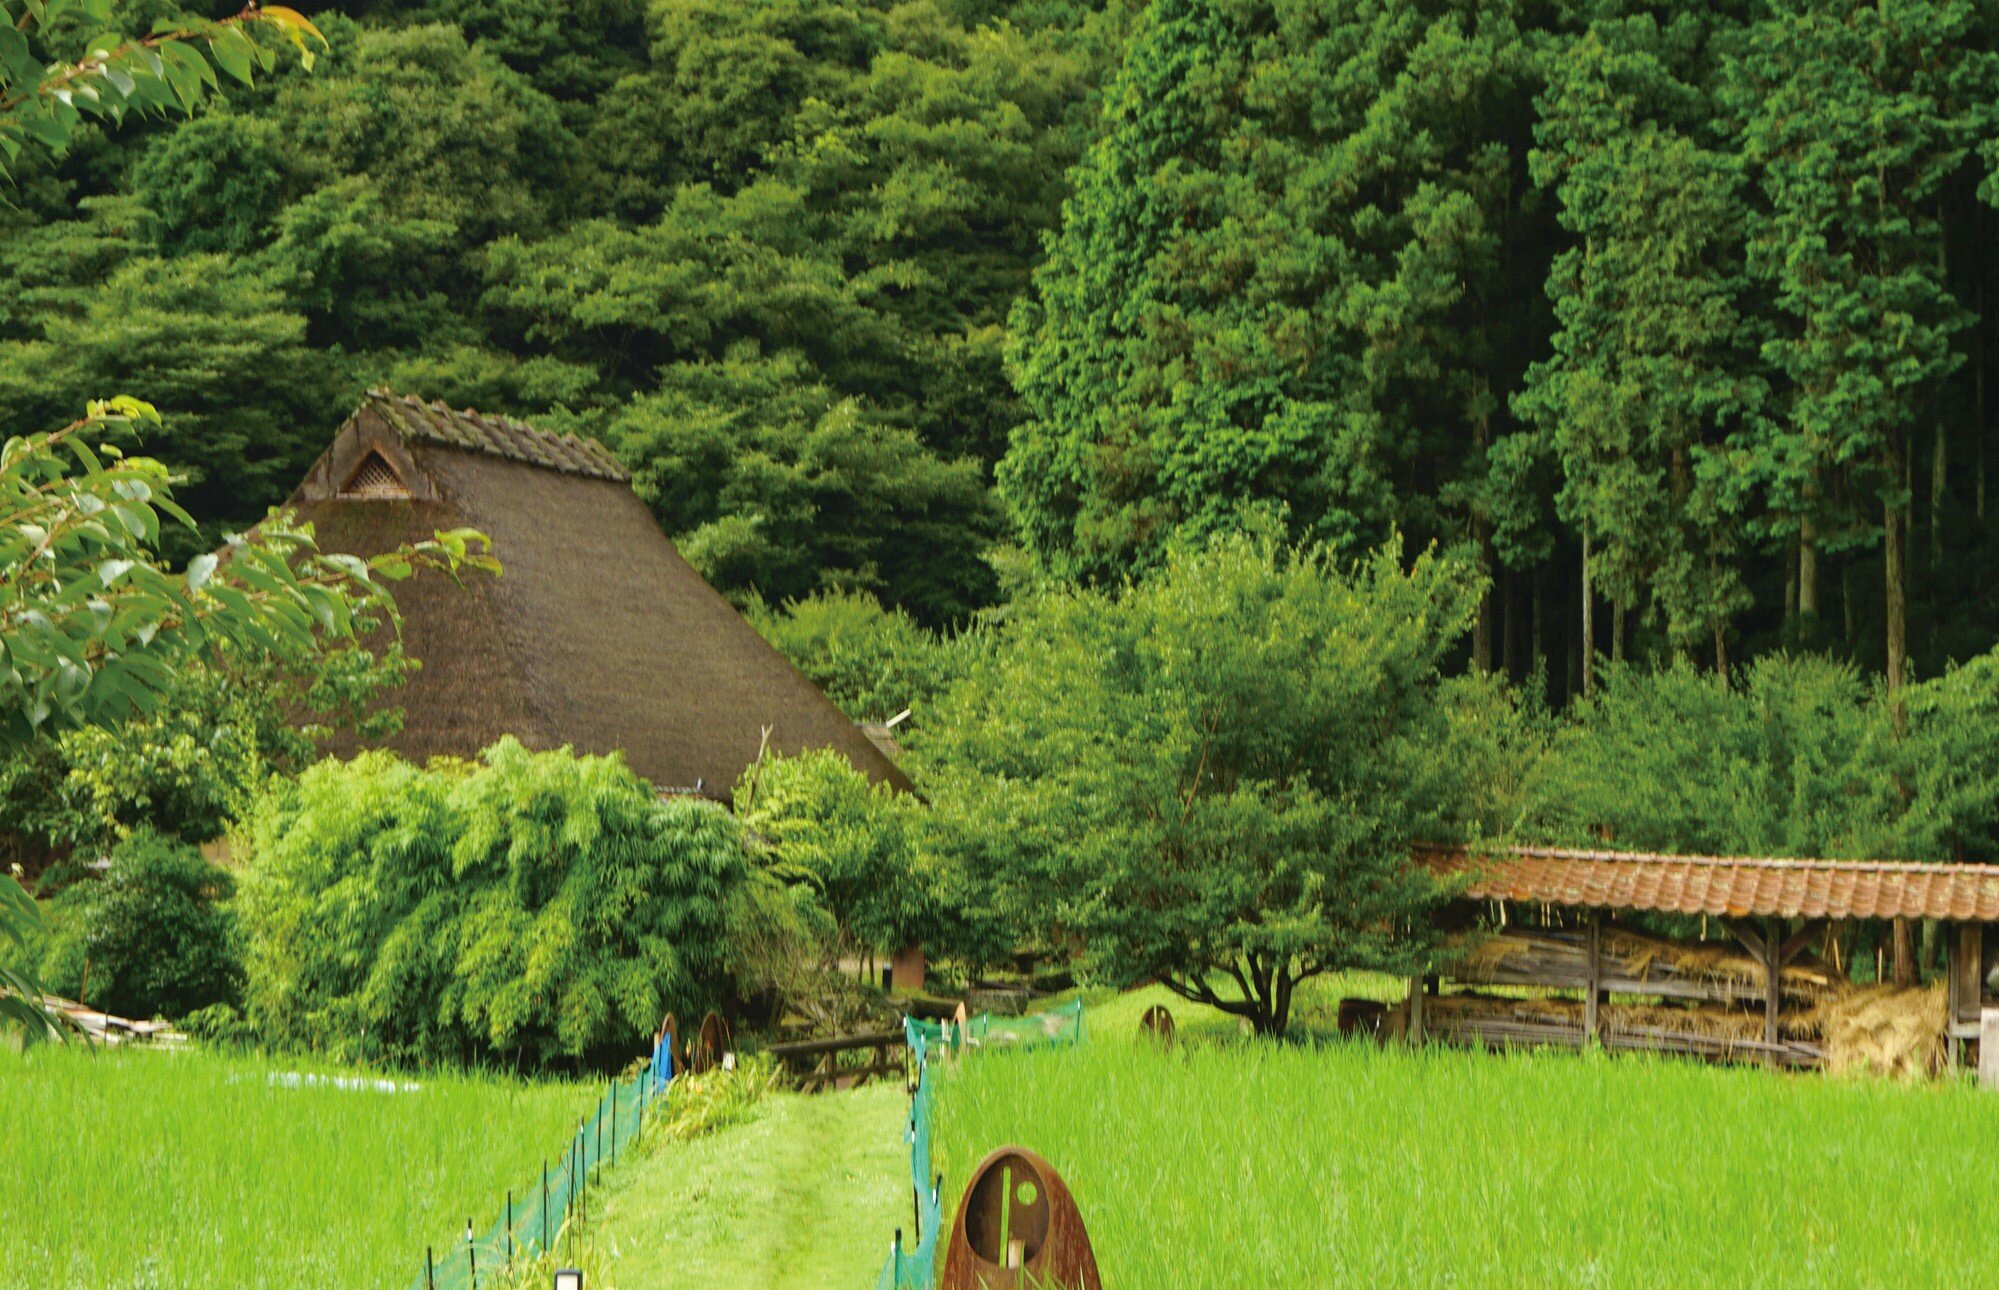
x=1017 y=1225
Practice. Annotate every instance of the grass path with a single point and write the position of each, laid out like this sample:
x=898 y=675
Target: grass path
x=806 y=1194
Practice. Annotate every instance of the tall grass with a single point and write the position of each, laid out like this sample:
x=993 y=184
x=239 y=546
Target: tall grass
x=1262 y=1165
x=131 y=1168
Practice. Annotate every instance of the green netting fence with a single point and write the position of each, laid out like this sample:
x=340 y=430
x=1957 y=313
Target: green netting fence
x=914 y=1267
x=534 y=1214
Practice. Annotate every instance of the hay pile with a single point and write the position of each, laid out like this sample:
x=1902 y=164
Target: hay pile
x=1638 y=955
x=1883 y=1029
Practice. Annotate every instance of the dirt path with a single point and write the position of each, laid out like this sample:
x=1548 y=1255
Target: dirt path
x=805 y=1195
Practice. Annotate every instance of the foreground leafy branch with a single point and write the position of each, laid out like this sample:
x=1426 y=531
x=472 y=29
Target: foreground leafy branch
x=44 y=98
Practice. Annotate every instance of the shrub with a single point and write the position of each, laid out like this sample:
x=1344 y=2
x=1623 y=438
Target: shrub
x=853 y=841
x=536 y=908
x=220 y=1024
x=1671 y=759
x=153 y=934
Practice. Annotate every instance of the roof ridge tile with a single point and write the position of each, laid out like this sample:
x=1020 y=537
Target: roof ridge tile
x=496 y=434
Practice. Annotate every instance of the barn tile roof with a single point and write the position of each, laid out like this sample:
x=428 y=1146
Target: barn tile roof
x=495 y=435
x=1726 y=885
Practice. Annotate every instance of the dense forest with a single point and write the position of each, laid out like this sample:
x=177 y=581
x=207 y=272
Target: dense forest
x=1675 y=316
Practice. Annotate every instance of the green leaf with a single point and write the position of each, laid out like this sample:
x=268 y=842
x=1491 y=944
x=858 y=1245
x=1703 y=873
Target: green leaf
x=234 y=54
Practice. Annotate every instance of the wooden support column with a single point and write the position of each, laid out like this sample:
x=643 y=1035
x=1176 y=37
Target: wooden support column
x=1988 y=1049
x=1773 y=984
x=1592 y=978
x=1414 y=1033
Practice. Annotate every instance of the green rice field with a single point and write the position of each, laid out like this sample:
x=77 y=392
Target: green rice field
x=1226 y=1164
x=134 y=1168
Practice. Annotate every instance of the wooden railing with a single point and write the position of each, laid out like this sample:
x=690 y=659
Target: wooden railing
x=816 y=1062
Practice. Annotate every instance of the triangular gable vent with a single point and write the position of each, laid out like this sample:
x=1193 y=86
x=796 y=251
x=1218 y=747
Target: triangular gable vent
x=375 y=480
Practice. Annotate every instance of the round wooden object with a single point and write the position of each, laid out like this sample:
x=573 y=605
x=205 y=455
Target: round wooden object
x=1361 y=1016
x=1158 y=1023
x=713 y=1041
x=1018 y=1214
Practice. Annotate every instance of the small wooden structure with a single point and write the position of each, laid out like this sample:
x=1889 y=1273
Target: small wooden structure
x=1779 y=911
x=1018 y=1226
x=1157 y=1023
x=816 y=1062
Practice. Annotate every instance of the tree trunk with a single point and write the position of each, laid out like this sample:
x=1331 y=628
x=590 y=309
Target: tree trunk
x=1509 y=630
x=1905 y=954
x=1846 y=603
x=1984 y=433
x=1481 y=632
x=1721 y=654
x=1939 y=464
x=1895 y=602
x=1589 y=624
x=1617 y=633
x=1793 y=558
x=1808 y=575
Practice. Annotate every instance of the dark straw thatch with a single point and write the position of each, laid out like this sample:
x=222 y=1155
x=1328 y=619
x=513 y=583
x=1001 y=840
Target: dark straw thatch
x=598 y=635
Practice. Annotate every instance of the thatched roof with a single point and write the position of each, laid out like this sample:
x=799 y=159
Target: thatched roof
x=599 y=635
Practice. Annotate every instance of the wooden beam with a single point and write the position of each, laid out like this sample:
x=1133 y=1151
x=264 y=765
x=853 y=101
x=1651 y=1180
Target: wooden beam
x=1804 y=936
x=1414 y=1032
x=1773 y=985
x=1746 y=934
x=1592 y=976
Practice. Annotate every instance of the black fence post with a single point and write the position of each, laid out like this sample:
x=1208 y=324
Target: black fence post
x=547 y=1246
x=471 y=1255
x=614 y=1121
x=510 y=1227
x=429 y=1270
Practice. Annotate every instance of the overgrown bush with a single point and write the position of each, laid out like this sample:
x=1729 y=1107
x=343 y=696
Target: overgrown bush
x=855 y=843
x=535 y=909
x=153 y=936
x=872 y=662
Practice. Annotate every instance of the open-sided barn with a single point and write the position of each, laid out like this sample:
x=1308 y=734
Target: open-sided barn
x=598 y=635
x=1772 y=984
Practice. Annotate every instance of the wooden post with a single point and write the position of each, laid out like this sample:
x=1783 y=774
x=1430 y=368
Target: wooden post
x=1773 y=984
x=1592 y=977
x=1415 y=1030
x=1988 y=1049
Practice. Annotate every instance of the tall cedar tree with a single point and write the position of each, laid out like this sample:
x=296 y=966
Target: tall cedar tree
x=1283 y=277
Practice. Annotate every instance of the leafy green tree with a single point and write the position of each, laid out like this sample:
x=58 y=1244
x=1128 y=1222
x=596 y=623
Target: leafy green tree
x=1212 y=776
x=1650 y=373
x=195 y=764
x=772 y=484
x=537 y=909
x=1280 y=277
x=872 y=662
x=1670 y=759
x=154 y=936
x=204 y=329
x=854 y=842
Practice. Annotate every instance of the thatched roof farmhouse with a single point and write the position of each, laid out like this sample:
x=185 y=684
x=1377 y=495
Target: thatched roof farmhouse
x=598 y=635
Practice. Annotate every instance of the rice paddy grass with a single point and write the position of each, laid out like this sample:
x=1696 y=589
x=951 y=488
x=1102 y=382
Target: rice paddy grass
x=138 y=1168
x=1228 y=1164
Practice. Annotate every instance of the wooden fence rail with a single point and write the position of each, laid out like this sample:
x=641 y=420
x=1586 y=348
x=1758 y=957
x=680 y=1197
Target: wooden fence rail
x=816 y=1062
